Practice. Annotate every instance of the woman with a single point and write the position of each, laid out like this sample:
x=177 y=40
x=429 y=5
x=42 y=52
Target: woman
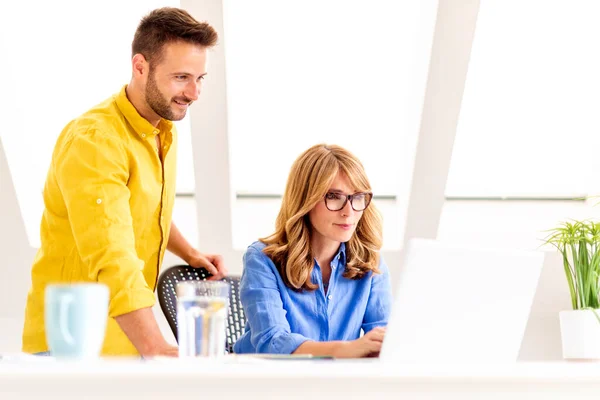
x=311 y=286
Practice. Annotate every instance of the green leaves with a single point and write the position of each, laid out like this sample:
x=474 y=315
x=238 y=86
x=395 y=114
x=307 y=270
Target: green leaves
x=578 y=242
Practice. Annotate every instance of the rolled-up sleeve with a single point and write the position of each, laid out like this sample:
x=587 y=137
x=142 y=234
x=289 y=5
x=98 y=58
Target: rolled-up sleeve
x=92 y=173
x=379 y=304
x=261 y=299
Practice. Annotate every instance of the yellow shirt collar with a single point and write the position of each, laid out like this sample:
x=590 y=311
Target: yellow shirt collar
x=140 y=124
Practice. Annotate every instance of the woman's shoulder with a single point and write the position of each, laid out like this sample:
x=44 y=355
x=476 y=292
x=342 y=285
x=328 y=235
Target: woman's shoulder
x=257 y=263
x=254 y=253
x=258 y=246
x=380 y=271
x=256 y=249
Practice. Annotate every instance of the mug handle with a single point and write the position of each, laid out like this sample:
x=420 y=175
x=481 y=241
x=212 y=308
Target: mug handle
x=65 y=303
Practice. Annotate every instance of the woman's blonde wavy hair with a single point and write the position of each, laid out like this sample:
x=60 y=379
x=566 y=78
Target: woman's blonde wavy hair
x=310 y=178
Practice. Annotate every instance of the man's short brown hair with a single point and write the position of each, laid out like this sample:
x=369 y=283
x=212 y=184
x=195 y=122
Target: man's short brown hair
x=168 y=24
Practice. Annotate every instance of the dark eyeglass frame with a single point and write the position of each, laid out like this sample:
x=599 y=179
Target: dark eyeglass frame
x=350 y=197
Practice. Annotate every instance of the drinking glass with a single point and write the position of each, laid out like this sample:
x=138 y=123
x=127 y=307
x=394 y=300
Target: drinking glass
x=202 y=318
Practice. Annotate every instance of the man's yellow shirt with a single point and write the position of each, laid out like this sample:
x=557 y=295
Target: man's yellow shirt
x=108 y=203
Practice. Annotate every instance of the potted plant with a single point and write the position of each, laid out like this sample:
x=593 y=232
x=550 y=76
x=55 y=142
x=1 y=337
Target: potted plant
x=579 y=244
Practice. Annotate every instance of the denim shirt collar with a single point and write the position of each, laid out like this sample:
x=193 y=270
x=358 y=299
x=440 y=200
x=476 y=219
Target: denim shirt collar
x=338 y=259
x=340 y=256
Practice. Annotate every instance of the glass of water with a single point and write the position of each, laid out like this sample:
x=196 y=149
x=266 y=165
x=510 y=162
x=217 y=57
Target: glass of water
x=202 y=317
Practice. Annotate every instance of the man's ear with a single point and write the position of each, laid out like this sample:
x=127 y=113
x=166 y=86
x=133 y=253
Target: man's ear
x=139 y=65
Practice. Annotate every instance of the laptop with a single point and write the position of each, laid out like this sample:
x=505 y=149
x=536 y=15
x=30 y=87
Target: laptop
x=457 y=304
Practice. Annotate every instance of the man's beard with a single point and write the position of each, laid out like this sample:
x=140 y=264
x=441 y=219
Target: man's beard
x=159 y=104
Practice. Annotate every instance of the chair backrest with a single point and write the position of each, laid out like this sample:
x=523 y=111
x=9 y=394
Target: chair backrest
x=168 y=299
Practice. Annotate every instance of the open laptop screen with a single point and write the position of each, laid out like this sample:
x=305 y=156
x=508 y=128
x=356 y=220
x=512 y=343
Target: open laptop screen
x=458 y=304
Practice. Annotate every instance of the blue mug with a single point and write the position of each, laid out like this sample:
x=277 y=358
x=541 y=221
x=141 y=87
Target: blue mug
x=75 y=318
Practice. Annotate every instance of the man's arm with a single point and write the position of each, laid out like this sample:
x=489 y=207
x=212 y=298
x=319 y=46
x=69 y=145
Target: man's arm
x=179 y=246
x=141 y=328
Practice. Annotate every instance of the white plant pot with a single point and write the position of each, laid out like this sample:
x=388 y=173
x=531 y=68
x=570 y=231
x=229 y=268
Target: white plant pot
x=580 y=334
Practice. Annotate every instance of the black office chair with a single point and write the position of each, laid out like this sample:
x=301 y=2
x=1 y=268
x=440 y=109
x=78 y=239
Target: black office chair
x=168 y=299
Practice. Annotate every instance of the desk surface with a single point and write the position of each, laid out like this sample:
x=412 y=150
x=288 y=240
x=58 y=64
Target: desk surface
x=244 y=378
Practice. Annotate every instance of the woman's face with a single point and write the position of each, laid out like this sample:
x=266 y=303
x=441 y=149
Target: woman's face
x=335 y=226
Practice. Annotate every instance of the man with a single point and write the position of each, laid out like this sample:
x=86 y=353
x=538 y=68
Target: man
x=110 y=189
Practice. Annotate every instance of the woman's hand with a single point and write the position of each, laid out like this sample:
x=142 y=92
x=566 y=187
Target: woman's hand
x=369 y=345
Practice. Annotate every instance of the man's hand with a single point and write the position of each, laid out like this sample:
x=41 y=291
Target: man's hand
x=181 y=248
x=212 y=262
x=141 y=328
x=166 y=351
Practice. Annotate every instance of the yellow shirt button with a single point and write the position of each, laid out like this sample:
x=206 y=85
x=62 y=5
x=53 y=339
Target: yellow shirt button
x=99 y=201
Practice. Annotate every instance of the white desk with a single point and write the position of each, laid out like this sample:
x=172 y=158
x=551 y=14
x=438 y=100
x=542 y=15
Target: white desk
x=307 y=380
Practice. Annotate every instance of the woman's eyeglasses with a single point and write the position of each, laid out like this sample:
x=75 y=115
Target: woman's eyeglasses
x=336 y=201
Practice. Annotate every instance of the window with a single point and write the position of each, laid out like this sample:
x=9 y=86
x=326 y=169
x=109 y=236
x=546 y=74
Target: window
x=302 y=73
x=529 y=122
